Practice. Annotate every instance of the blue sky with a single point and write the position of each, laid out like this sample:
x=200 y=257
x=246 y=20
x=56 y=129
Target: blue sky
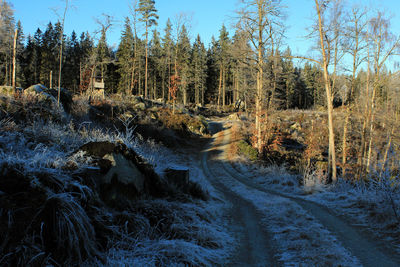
x=208 y=16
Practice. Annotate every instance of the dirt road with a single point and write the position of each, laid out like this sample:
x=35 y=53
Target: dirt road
x=260 y=247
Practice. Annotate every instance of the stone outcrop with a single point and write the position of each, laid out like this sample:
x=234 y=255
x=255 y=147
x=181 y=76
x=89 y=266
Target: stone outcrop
x=125 y=176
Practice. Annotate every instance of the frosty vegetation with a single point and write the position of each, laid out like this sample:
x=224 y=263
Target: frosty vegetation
x=51 y=212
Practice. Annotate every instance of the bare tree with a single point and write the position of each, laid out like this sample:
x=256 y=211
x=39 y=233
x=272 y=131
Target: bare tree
x=384 y=45
x=255 y=20
x=325 y=44
x=62 y=21
x=134 y=13
x=61 y=50
x=354 y=46
x=14 y=57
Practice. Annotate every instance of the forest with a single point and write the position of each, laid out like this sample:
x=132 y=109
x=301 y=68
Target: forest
x=317 y=127
x=357 y=45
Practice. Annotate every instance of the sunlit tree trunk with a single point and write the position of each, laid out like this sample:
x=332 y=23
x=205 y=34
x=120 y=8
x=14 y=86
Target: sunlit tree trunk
x=332 y=155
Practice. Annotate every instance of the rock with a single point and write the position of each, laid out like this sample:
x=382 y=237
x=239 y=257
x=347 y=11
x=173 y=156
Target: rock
x=51 y=94
x=234 y=117
x=178 y=177
x=140 y=106
x=296 y=126
x=154 y=116
x=137 y=99
x=124 y=176
x=98 y=149
x=197 y=127
x=40 y=90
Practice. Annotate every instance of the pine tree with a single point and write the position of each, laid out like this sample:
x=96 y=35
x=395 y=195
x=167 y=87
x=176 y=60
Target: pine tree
x=241 y=71
x=20 y=79
x=7 y=26
x=287 y=95
x=224 y=46
x=71 y=66
x=212 y=72
x=125 y=56
x=103 y=56
x=34 y=59
x=86 y=61
x=48 y=55
x=149 y=18
x=199 y=70
x=183 y=58
x=155 y=63
x=167 y=51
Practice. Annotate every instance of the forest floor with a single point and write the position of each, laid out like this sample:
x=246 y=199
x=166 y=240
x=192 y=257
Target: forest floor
x=285 y=228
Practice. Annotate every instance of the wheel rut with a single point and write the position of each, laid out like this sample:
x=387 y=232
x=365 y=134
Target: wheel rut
x=254 y=242
x=370 y=252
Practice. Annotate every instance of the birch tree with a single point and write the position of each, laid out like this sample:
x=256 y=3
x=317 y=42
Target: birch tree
x=255 y=20
x=384 y=44
x=61 y=50
x=355 y=47
x=325 y=44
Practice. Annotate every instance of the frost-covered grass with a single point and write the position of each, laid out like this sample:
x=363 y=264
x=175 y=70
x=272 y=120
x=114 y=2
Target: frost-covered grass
x=60 y=219
x=373 y=204
x=300 y=239
x=273 y=177
x=189 y=234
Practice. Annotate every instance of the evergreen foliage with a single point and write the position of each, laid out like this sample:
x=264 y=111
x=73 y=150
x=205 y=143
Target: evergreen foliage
x=223 y=73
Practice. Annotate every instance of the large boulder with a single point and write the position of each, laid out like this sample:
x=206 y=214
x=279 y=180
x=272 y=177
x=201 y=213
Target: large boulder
x=51 y=95
x=125 y=176
x=41 y=91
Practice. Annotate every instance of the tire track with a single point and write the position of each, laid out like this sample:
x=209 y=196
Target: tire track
x=370 y=252
x=254 y=246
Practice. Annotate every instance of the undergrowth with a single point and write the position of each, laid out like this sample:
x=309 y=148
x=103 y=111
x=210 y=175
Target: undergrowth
x=51 y=212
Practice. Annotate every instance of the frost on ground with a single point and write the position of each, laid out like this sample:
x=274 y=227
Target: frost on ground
x=300 y=239
x=50 y=214
x=373 y=205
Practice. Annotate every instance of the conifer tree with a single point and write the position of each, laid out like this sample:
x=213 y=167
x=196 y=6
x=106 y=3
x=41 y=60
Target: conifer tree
x=86 y=61
x=48 y=55
x=183 y=58
x=70 y=78
x=20 y=79
x=103 y=54
x=155 y=63
x=7 y=26
x=224 y=44
x=149 y=18
x=212 y=72
x=199 y=70
x=167 y=47
x=125 y=55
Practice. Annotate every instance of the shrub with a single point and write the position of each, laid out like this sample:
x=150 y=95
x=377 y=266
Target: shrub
x=247 y=150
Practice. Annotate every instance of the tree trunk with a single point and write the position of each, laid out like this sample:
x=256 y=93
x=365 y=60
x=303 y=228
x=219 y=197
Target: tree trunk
x=385 y=156
x=332 y=154
x=51 y=79
x=344 y=141
x=219 y=87
x=146 y=56
x=223 y=88
x=14 y=57
x=132 y=77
